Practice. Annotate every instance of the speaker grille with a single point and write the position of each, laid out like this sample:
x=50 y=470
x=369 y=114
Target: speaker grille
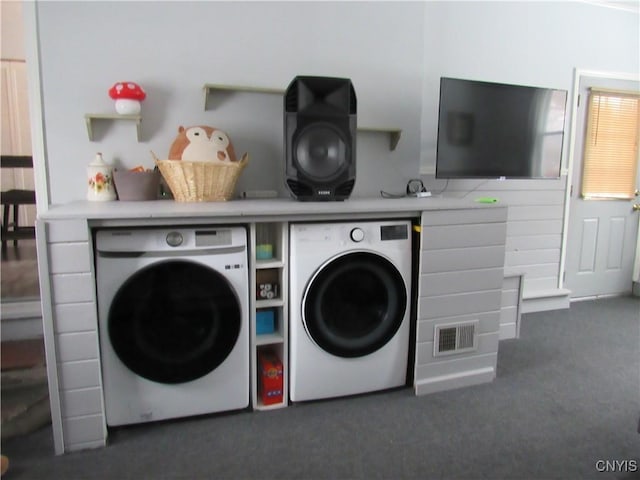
x=353 y=102
x=299 y=189
x=291 y=98
x=304 y=191
x=345 y=189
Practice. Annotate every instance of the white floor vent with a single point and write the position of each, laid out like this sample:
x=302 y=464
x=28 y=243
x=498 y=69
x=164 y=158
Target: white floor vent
x=455 y=338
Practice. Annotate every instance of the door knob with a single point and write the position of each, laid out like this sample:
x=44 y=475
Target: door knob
x=636 y=207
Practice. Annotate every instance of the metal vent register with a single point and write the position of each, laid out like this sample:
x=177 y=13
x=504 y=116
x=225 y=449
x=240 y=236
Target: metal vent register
x=455 y=338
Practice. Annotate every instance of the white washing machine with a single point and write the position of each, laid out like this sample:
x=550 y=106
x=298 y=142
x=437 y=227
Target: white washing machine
x=173 y=317
x=350 y=287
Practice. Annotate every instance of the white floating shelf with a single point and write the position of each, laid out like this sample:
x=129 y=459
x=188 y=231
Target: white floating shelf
x=210 y=88
x=91 y=117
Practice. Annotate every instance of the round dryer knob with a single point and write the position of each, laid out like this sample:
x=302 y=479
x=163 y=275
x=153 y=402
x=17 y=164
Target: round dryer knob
x=357 y=235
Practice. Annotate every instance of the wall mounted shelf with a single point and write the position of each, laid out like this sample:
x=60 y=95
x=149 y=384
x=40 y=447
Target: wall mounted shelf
x=211 y=88
x=394 y=134
x=91 y=117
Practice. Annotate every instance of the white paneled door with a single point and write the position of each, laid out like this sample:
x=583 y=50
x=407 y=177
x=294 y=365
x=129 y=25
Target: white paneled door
x=602 y=236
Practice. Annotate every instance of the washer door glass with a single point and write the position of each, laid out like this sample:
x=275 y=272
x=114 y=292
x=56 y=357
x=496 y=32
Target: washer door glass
x=174 y=321
x=354 y=304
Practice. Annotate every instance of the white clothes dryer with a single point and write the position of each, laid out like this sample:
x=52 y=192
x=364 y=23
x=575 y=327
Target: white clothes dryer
x=350 y=287
x=173 y=318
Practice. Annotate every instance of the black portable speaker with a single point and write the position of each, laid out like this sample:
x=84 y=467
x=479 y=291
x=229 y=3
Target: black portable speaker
x=320 y=122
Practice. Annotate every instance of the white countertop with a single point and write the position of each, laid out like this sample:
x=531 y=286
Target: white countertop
x=261 y=209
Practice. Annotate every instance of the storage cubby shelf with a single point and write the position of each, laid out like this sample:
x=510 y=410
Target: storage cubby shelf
x=210 y=88
x=275 y=302
x=269 y=339
x=269 y=271
x=91 y=117
x=266 y=264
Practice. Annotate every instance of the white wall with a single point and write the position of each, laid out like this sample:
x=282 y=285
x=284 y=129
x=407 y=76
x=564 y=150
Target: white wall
x=526 y=43
x=173 y=48
x=395 y=53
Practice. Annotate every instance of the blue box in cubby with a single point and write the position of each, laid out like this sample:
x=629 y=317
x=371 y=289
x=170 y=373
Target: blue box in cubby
x=265 y=322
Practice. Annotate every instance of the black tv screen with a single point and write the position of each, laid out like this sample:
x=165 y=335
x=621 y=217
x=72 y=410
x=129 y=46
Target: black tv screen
x=495 y=130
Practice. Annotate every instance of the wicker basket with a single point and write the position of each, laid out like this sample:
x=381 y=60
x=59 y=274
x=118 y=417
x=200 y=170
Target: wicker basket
x=201 y=181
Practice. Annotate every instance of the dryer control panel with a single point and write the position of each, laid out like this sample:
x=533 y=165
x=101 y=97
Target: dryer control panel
x=319 y=236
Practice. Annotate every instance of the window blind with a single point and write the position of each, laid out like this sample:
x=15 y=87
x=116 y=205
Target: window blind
x=610 y=158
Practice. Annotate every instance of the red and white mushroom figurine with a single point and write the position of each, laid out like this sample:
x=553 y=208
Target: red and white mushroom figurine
x=128 y=96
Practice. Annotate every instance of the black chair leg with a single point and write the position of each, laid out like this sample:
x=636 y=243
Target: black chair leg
x=15 y=223
x=5 y=226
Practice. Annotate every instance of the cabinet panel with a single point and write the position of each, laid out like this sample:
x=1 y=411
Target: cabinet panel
x=84 y=429
x=69 y=257
x=77 y=346
x=434 y=261
x=444 y=283
x=460 y=217
x=511 y=307
x=450 y=305
x=75 y=317
x=67 y=231
x=72 y=288
x=76 y=403
x=457 y=367
x=510 y=297
x=461 y=282
x=459 y=236
x=79 y=374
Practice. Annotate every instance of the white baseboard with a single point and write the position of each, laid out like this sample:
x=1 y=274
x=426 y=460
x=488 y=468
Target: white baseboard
x=457 y=380
x=508 y=331
x=21 y=320
x=545 y=300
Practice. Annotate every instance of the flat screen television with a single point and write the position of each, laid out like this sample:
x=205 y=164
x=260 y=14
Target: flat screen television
x=495 y=130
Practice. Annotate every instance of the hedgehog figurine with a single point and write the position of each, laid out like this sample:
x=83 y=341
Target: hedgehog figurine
x=202 y=143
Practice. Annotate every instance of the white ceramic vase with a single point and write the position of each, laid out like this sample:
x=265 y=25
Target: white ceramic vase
x=100 y=187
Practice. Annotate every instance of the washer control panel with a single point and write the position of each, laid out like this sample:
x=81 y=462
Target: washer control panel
x=193 y=239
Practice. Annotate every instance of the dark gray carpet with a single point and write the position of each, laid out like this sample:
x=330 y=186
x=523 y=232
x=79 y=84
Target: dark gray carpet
x=567 y=396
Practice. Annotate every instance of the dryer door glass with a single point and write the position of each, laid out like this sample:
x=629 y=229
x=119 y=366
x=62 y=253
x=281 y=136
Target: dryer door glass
x=354 y=304
x=174 y=321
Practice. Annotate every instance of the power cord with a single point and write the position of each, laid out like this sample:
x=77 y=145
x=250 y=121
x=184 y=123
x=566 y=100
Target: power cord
x=384 y=194
x=443 y=190
x=414 y=188
x=475 y=188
